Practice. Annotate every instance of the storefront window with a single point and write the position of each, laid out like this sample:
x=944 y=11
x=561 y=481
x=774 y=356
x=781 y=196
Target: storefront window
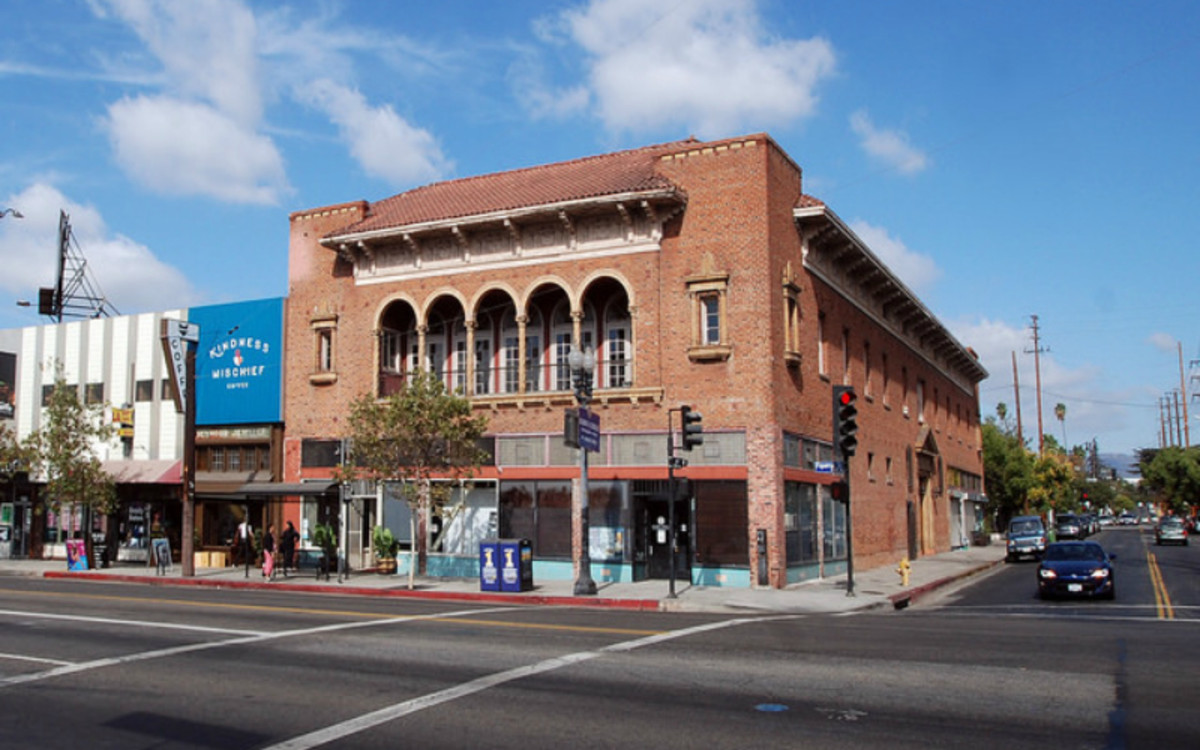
x=834 y=517
x=721 y=524
x=800 y=523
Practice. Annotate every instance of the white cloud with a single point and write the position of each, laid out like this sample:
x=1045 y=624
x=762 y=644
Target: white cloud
x=206 y=48
x=888 y=146
x=382 y=142
x=1164 y=342
x=129 y=274
x=189 y=148
x=918 y=272
x=199 y=135
x=705 y=65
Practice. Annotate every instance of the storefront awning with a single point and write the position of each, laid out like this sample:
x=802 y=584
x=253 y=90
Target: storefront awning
x=143 y=471
x=280 y=489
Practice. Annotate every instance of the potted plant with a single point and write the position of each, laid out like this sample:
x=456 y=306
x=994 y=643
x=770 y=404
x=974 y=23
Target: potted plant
x=325 y=539
x=386 y=546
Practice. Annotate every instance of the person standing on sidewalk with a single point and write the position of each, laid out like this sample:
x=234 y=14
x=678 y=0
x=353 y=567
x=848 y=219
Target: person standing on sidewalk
x=287 y=547
x=268 y=545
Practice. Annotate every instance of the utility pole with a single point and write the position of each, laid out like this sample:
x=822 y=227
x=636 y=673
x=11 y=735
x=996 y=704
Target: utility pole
x=1017 y=397
x=1037 y=372
x=1187 y=430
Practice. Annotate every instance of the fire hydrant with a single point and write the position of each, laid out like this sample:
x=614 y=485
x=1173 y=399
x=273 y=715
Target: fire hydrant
x=904 y=570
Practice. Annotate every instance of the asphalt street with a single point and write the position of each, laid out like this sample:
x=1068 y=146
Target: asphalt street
x=105 y=664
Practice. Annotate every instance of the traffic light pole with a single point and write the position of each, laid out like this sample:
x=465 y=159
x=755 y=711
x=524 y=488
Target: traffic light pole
x=849 y=531
x=672 y=491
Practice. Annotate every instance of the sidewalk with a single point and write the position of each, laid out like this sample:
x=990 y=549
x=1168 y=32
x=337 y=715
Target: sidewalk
x=874 y=588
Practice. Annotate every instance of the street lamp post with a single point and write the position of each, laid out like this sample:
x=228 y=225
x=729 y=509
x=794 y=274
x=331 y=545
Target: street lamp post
x=582 y=363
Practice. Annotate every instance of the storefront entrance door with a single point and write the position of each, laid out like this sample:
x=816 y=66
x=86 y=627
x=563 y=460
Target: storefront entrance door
x=654 y=539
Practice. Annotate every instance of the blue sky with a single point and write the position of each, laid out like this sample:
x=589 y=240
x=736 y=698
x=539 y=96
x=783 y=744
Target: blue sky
x=1005 y=159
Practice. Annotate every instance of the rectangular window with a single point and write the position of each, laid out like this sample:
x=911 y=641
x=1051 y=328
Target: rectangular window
x=164 y=389
x=618 y=372
x=722 y=528
x=325 y=350
x=707 y=295
x=834 y=527
x=533 y=364
x=800 y=523
x=886 y=378
x=320 y=453
x=822 y=346
x=216 y=458
x=711 y=325
x=512 y=364
x=233 y=458
x=483 y=367
x=846 y=356
x=143 y=390
x=94 y=393
x=867 y=369
x=562 y=368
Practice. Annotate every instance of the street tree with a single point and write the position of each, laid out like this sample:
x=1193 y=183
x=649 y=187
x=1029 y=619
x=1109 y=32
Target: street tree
x=1007 y=472
x=423 y=439
x=1173 y=475
x=62 y=453
x=1053 y=484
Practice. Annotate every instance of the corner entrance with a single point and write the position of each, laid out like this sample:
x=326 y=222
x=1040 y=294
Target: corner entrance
x=652 y=539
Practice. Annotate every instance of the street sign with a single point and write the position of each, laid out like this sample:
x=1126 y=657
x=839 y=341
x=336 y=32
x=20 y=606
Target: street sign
x=589 y=430
x=824 y=467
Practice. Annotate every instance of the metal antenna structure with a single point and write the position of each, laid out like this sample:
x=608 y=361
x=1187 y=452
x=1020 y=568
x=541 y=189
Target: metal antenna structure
x=76 y=294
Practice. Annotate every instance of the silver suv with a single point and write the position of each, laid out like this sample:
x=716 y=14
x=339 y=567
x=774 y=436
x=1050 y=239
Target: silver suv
x=1026 y=538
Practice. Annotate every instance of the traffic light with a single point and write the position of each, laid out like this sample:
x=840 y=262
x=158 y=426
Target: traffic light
x=693 y=431
x=839 y=491
x=845 y=419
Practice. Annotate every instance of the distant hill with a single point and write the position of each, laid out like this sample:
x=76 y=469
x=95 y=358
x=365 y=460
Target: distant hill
x=1124 y=463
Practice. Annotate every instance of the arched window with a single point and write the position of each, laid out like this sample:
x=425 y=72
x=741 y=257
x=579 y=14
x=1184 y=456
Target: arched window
x=510 y=352
x=534 y=366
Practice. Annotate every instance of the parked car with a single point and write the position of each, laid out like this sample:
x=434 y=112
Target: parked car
x=1128 y=519
x=1076 y=568
x=1069 y=526
x=1026 y=538
x=1170 y=529
x=1107 y=520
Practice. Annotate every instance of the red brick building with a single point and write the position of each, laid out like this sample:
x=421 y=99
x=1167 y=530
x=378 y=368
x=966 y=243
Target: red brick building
x=700 y=274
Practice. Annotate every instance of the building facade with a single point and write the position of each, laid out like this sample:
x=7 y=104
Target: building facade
x=700 y=274
x=118 y=365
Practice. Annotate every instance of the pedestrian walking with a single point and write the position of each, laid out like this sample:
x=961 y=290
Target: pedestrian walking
x=287 y=547
x=245 y=543
x=268 y=545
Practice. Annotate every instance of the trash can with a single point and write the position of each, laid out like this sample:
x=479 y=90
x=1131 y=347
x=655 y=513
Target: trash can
x=489 y=565
x=516 y=565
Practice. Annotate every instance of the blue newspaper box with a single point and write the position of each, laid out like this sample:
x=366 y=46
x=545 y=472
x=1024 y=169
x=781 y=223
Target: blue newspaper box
x=489 y=565
x=516 y=565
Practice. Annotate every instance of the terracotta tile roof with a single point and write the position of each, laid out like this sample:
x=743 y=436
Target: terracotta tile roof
x=808 y=201
x=591 y=177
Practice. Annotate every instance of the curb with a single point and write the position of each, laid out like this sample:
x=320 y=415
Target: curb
x=905 y=598
x=636 y=605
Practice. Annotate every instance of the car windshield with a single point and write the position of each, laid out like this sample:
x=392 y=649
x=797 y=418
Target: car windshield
x=1172 y=522
x=1025 y=527
x=1075 y=552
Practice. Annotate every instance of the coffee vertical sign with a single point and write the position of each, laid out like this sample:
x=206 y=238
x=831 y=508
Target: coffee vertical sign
x=179 y=340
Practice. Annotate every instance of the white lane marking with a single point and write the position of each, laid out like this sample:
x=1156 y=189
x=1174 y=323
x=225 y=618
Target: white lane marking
x=139 y=623
x=390 y=713
x=113 y=661
x=40 y=660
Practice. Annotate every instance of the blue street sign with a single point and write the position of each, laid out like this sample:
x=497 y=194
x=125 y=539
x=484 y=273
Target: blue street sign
x=589 y=430
x=824 y=467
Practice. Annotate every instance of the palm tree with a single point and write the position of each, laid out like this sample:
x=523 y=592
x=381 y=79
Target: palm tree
x=1060 y=412
x=1002 y=413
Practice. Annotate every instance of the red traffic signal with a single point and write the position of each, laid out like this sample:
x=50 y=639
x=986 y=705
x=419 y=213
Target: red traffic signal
x=845 y=419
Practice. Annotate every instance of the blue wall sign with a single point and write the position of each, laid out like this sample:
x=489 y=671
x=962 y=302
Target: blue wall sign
x=239 y=362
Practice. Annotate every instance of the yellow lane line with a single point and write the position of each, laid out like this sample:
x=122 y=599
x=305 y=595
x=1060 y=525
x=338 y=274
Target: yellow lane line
x=337 y=613
x=1161 y=598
